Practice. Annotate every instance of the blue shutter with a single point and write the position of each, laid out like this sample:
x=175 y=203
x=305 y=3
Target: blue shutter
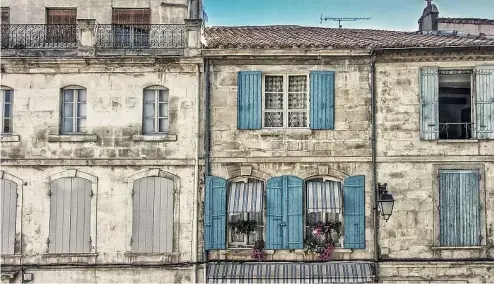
x=459 y=211
x=215 y=213
x=354 y=212
x=484 y=89
x=274 y=213
x=322 y=100
x=294 y=237
x=249 y=100
x=429 y=97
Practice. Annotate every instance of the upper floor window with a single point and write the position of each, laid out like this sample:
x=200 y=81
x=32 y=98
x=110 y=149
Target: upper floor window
x=131 y=27
x=61 y=25
x=73 y=115
x=155 y=110
x=5 y=15
x=448 y=110
x=6 y=110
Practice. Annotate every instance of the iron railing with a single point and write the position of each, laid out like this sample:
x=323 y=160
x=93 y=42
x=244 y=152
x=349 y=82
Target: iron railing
x=140 y=36
x=36 y=36
x=460 y=130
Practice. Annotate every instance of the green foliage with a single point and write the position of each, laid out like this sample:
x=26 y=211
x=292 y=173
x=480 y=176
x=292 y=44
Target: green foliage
x=243 y=226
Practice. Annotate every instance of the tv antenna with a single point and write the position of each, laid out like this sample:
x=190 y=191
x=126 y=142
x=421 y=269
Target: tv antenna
x=344 y=19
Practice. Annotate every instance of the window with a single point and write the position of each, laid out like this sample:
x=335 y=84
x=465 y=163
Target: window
x=73 y=119
x=285 y=101
x=131 y=27
x=8 y=194
x=61 y=25
x=245 y=212
x=459 y=208
x=323 y=207
x=6 y=110
x=152 y=221
x=70 y=215
x=155 y=110
x=5 y=26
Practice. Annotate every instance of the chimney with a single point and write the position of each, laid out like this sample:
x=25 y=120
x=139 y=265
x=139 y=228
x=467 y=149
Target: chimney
x=428 y=21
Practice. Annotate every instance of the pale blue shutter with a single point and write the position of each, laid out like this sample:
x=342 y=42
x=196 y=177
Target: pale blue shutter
x=322 y=100
x=274 y=213
x=429 y=98
x=8 y=215
x=215 y=213
x=294 y=239
x=484 y=89
x=354 y=212
x=249 y=100
x=459 y=208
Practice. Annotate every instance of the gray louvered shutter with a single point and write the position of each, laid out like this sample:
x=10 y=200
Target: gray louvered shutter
x=9 y=212
x=429 y=98
x=70 y=215
x=484 y=89
x=152 y=220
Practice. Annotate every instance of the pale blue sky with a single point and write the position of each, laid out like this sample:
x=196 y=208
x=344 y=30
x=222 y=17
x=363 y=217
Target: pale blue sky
x=385 y=14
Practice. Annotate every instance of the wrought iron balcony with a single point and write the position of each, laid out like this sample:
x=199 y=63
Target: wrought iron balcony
x=38 y=36
x=141 y=36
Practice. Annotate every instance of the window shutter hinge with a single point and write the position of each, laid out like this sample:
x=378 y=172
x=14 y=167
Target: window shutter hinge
x=90 y=240
x=16 y=194
x=92 y=193
x=132 y=193
x=49 y=192
x=131 y=240
x=48 y=241
x=480 y=177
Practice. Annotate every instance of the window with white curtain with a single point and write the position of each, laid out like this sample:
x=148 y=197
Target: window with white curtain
x=73 y=120
x=156 y=119
x=6 y=109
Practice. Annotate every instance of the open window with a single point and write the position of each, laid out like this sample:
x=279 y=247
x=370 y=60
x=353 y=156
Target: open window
x=131 y=27
x=61 y=25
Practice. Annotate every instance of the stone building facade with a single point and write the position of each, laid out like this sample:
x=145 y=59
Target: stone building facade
x=101 y=141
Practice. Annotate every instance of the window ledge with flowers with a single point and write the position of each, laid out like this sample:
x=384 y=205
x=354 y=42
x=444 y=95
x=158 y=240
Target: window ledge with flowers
x=321 y=239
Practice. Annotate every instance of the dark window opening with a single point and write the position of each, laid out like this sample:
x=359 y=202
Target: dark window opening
x=61 y=25
x=5 y=32
x=131 y=27
x=455 y=104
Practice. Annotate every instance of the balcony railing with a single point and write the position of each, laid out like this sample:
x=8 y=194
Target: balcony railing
x=140 y=36
x=34 y=36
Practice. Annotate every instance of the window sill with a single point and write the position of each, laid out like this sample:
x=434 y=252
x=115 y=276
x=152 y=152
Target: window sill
x=294 y=131
x=73 y=138
x=460 y=248
x=55 y=258
x=242 y=251
x=458 y=141
x=155 y=138
x=11 y=259
x=10 y=138
x=152 y=258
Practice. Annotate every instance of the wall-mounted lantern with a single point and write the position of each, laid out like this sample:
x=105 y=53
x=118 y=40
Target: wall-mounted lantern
x=386 y=201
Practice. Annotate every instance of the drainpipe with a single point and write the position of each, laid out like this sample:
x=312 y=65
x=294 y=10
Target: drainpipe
x=207 y=136
x=195 y=224
x=374 y=163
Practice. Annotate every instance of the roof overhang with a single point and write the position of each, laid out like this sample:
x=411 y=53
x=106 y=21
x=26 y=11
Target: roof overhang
x=289 y=52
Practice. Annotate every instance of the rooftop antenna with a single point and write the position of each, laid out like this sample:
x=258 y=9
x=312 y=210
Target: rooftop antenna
x=344 y=19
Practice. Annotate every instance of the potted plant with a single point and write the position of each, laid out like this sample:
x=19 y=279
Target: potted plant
x=258 y=250
x=320 y=238
x=245 y=227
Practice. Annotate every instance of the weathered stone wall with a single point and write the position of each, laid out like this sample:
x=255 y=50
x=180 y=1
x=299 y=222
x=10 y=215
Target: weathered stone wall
x=468 y=28
x=34 y=12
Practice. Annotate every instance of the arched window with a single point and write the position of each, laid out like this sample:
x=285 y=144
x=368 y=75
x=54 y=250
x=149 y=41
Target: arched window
x=155 y=112
x=7 y=104
x=70 y=215
x=245 y=210
x=152 y=215
x=8 y=195
x=323 y=210
x=73 y=114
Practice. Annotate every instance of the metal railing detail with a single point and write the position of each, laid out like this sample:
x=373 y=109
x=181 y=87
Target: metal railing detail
x=37 y=36
x=460 y=130
x=140 y=36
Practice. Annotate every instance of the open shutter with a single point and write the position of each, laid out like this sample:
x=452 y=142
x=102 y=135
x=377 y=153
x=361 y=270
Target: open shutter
x=9 y=211
x=429 y=97
x=354 y=212
x=274 y=213
x=322 y=100
x=249 y=100
x=215 y=213
x=294 y=210
x=484 y=88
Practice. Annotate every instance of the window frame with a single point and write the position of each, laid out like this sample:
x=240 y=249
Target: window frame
x=286 y=110
x=2 y=111
x=75 y=113
x=244 y=244
x=132 y=30
x=436 y=199
x=61 y=32
x=156 y=117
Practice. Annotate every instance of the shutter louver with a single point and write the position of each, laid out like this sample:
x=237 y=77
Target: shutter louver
x=354 y=212
x=249 y=100
x=322 y=100
x=429 y=98
x=484 y=88
x=215 y=213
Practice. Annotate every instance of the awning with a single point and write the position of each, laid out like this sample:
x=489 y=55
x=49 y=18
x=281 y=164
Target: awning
x=245 y=197
x=317 y=272
x=324 y=196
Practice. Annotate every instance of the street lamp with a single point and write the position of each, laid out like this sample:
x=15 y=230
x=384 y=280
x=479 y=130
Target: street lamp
x=386 y=201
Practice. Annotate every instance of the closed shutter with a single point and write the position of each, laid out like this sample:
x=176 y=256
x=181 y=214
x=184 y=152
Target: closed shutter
x=274 y=213
x=215 y=213
x=9 y=212
x=294 y=210
x=429 y=98
x=354 y=212
x=249 y=100
x=322 y=100
x=484 y=88
x=70 y=215
x=152 y=220
x=459 y=208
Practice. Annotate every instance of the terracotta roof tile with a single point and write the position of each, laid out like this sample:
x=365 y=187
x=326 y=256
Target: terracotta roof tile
x=275 y=37
x=475 y=21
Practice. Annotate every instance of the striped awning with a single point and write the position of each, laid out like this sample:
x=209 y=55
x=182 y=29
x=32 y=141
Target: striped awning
x=324 y=196
x=245 y=197
x=321 y=272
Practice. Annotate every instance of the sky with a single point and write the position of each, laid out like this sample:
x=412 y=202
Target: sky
x=384 y=14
